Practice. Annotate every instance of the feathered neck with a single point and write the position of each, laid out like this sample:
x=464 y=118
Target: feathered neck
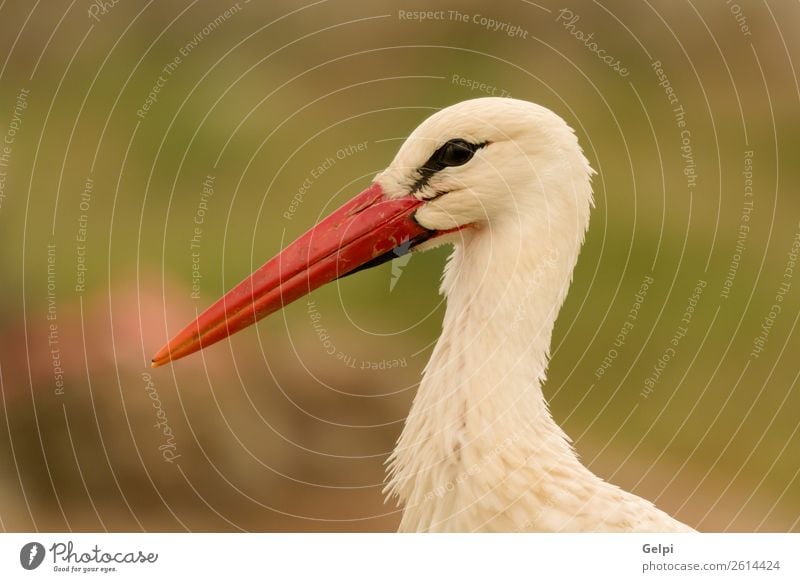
x=505 y=283
x=480 y=450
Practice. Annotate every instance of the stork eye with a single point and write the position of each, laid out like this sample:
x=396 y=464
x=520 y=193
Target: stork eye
x=455 y=152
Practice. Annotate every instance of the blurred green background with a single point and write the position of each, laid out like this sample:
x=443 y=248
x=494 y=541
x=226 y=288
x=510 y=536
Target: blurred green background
x=271 y=432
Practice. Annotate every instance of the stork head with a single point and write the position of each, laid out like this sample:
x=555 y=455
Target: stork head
x=477 y=163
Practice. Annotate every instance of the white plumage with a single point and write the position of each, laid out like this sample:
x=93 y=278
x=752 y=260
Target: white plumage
x=506 y=182
x=480 y=450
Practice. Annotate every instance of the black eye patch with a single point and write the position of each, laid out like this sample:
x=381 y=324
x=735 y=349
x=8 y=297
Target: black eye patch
x=455 y=152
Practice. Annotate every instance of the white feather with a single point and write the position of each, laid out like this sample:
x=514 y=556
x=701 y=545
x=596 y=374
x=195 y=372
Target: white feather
x=480 y=450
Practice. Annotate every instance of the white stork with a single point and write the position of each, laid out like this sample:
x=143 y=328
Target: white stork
x=507 y=184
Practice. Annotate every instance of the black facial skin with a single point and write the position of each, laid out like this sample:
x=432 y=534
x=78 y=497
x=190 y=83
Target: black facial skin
x=455 y=152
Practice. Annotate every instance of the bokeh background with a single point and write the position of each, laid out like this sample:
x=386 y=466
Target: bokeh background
x=102 y=186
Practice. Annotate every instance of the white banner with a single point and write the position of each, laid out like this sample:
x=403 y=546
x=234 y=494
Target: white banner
x=389 y=557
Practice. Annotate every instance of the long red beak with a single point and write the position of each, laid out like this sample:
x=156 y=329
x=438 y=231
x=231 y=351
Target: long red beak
x=367 y=231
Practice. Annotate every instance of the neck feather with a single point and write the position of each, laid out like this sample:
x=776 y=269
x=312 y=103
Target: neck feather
x=482 y=388
x=480 y=450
